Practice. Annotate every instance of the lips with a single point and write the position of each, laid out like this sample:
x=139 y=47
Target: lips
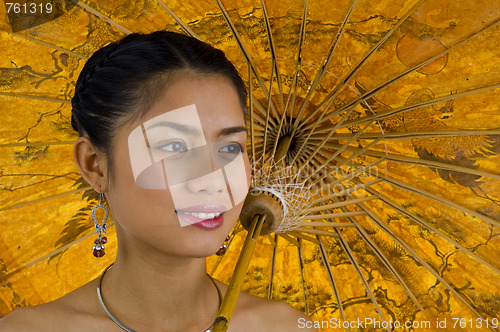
x=206 y=216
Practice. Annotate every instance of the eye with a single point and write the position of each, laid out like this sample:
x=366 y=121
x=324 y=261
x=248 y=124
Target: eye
x=175 y=146
x=233 y=148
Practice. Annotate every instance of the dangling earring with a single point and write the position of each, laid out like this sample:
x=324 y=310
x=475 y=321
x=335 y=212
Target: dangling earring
x=98 y=248
x=223 y=247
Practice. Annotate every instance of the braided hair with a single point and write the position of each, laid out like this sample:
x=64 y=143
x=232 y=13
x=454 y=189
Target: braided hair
x=122 y=80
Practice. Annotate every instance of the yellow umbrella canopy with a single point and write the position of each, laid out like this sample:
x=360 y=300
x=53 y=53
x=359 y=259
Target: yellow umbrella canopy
x=384 y=117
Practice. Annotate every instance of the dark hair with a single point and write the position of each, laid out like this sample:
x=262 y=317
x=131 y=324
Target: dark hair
x=123 y=79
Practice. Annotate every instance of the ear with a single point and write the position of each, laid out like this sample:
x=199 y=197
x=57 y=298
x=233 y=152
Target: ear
x=91 y=163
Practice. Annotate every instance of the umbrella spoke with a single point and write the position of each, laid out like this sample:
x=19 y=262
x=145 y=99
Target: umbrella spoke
x=369 y=94
x=316 y=232
x=417 y=161
x=339 y=204
x=419 y=134
x=376 y=249
x=54 y=100
x=293 y=89
x=53 y=253
x=183 y=25
x=332 y=95
x=429 y=268
x=302 y=236
x=399 y=110
x=356 y=266
x=424 y=224
x=103 y=17
x=339 y=149
x=328 y=268
x=272 y=48
x=266 y=127
x=250 y=101
x=246 y=54
x=44 y=199
x=333 y=224
x=441 y=200
x=52 y=46
x=10 y=145
x=324 y=64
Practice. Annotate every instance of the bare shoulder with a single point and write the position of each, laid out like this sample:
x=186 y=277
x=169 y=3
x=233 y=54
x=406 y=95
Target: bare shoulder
x=68 y=313
x=27 y=319
x=269 y=315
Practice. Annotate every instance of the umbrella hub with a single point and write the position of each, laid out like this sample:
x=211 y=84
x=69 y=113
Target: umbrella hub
x=289 y=143
x=264 y=201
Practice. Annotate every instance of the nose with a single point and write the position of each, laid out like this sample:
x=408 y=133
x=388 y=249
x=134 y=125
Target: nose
x=210 y=184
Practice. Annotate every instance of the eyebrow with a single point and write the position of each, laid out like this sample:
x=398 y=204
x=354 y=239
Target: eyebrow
x=194 y=132
x=177 y=126
x=232 y=130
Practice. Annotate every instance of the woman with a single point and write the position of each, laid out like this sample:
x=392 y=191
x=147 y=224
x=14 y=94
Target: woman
x=162 y=137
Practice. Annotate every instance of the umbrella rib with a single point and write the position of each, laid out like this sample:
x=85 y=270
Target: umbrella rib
x=266 y=126
x=7 y=275
x=385 y=261
x=273 y=262
x=354 y=155
x=441 y=200
x=429 y=268
x=339 y=149
x=273 y=52
x=333 y=224
x=369 y=94
x=250 y=101
x=346 y=176
x=324 y=65
x=418 y=161
x=298 y=62
x=302 y=274
x=339 y=204
x=183 y=25
x=354 y=262
x=289 y=239
x=329 y=215
x=103 y=17
x=245 y=53
x=431 y=228
x=328 y=268
x=388 y=265
x=420 y=134
x=315 y=231
x=54 y=100
x=16 y=206
x=399 y=110
x=12 y=145
x=332 y=95
x=76 y=55
x=302 y=236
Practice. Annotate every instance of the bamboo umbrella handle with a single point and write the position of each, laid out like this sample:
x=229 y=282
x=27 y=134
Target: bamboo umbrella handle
x=233 y=291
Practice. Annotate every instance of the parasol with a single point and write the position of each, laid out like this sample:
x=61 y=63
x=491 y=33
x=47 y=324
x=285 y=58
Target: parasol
x=373 y=127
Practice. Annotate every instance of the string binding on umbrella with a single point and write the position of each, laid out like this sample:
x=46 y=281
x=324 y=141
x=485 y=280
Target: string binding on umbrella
x=277 y=192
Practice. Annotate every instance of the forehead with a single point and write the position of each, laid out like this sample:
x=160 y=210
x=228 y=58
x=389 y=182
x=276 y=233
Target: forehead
x=215 y=97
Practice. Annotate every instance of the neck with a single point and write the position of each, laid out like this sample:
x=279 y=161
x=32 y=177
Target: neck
x=160 y=292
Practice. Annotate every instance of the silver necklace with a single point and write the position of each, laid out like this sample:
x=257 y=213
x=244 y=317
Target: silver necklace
x=123 y=326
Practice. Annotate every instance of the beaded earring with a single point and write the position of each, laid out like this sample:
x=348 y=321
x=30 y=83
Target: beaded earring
x=98 y=248
x=223 y=247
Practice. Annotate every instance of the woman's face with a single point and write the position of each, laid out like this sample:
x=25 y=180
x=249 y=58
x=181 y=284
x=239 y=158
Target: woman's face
x=181 y=173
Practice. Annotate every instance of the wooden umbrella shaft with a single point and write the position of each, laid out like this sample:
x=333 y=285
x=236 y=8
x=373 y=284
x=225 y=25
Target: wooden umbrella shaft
x=233 y=290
